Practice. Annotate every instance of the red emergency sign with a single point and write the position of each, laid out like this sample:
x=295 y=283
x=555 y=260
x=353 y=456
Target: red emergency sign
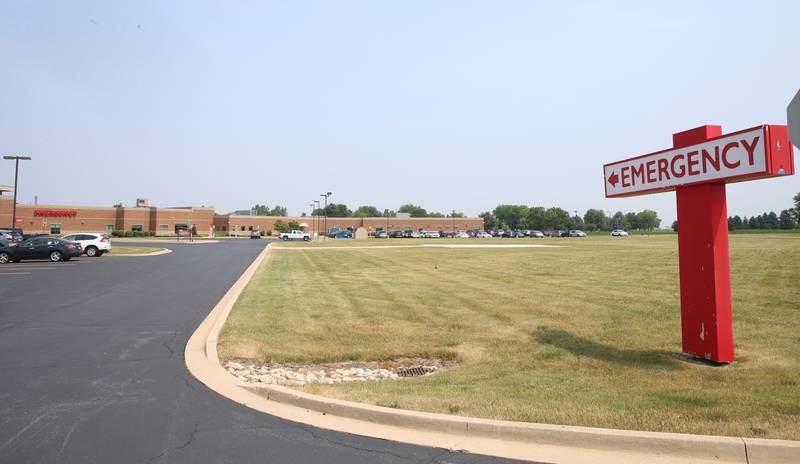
x=763 y=151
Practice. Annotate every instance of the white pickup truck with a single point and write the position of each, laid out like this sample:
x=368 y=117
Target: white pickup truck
x=294 y=235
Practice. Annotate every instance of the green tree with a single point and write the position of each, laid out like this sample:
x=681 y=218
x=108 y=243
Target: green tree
x=117 y=205
x=737 y=222
x=279 y=211
x=413 y=210
x=389 y=213
x=455 y=214
x=261 y=210
x=632 y=221
x=281 y=226
x=334 y=210
x=648 y=219
x=787 y=220
x=576 y=222
x=489 y=221
x=536 y=218
x=556 y=218
x=675 y=226
x=771 y=220
x=367 y=211
x=618 y=221
x=511 y=215
x=596 y=219
x=436 y=215
x=293 y=225
x=797 y=208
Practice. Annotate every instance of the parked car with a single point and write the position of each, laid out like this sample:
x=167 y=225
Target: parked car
x=461 y=235
x=484 y=235
x=342 y=234
x=507 y=234
x=54 y=249
x=93 y=244
x=577 y=233
x=618 y=233
x=537 y=234
x=295 y=235
x=255 y=235
x=397 y=234
x=415 y=235
x=12 y=235
x=381 y=234
x=429 y=234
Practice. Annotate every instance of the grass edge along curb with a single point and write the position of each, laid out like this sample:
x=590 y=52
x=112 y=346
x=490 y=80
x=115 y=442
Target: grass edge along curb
x=514 y=440
x=159 y=251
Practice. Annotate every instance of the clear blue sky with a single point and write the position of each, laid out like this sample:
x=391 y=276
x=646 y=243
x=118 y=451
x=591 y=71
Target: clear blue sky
x=450 y=105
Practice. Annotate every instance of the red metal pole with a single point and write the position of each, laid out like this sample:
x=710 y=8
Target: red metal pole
x=706 y=313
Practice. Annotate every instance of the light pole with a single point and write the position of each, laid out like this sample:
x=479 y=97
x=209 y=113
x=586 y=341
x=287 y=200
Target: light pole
x=16 y=176
x=453 y=216
x=326 y=195
x=313 y=226
x=317 y=202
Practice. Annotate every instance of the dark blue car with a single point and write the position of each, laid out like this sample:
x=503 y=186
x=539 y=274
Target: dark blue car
x=53 y=249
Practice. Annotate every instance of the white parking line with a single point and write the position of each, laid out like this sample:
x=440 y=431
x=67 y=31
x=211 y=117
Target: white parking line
x=13 y=273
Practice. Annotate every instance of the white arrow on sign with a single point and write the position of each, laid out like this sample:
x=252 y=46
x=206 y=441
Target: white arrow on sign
x=793 y=119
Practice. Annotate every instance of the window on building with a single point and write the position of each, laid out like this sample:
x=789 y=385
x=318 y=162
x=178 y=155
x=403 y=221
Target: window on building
x=250 y=228
x=55 y=229
x=109 y=228
x=164 y=226
x=136 y=227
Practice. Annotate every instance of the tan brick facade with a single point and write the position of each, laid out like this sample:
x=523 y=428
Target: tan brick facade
x=162 y=221
x=45 y=218
x=224 y=223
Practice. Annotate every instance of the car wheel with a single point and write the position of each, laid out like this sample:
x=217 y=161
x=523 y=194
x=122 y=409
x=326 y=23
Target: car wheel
x=100 y=253
x=4 y=258
x=285 y=238
x=55 y=256
x=91 y=251
x=305 y=239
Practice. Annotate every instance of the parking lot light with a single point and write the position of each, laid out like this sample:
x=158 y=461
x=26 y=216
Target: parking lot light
x=16 y=176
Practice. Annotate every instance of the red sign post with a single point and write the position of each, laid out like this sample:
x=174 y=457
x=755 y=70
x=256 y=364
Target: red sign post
x=698 y=166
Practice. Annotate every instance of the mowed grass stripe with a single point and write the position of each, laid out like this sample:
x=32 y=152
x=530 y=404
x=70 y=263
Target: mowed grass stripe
x=587 y=334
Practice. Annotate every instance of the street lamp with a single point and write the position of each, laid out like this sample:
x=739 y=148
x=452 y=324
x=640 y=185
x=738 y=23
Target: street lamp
x=312 y=218
x=326 y=195
x=16 y=176
x=453 y=215
x=317 y=202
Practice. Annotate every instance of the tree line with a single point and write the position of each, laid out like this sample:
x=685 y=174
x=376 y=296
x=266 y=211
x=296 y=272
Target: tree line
x=555 y=218
x=341 y=210
x=787 y=219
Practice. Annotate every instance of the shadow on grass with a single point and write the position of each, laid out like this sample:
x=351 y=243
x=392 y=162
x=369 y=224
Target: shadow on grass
x=579 y=346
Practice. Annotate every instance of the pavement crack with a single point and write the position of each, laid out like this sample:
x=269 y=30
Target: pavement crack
x=192 y=436
x=167 y=344
x=317 y=436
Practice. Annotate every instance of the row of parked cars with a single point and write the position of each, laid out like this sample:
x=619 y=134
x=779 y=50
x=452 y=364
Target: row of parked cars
x=16 y=246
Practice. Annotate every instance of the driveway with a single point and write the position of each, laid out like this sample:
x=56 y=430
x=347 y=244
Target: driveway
x=92 y=369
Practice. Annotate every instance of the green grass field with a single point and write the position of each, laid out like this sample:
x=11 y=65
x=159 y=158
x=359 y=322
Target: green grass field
x=586 y=334
x=132 y=250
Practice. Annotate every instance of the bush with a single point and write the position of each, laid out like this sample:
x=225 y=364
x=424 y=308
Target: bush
x=117 y=233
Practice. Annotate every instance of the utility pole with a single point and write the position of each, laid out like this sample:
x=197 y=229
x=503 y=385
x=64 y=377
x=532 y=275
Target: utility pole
x=16 y=177
x=317 y=202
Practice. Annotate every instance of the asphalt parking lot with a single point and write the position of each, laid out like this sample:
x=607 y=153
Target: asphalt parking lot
x=43 y=267
x=92 y=369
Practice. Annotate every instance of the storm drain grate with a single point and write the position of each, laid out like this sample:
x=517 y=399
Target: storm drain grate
x=416 y=371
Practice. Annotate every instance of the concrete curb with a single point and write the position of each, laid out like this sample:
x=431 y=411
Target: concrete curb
x=514 y=440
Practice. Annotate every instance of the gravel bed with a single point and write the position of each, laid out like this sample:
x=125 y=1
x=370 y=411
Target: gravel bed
x=333 y=373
